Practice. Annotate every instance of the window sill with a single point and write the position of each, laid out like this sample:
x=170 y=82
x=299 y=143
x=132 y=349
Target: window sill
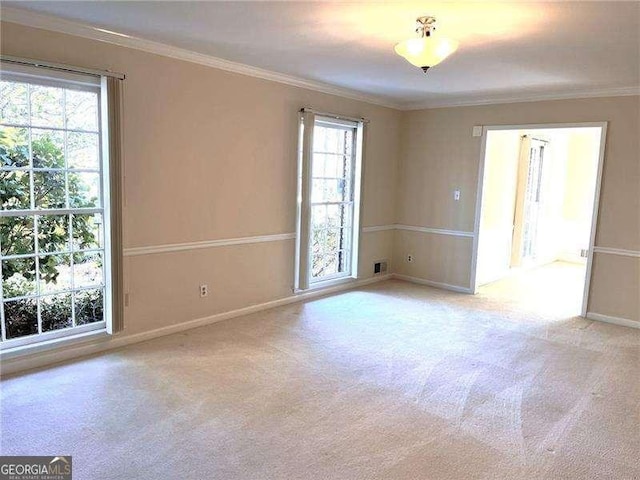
x=53 y=344
x=326 y=284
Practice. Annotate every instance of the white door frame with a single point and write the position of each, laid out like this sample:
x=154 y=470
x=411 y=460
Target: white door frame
x=596 y=200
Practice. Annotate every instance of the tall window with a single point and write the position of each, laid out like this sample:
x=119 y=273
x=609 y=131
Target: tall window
x=53 y=207
x=329 y=190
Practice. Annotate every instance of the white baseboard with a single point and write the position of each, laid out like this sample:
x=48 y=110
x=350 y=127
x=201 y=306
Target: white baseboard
x=625 y=322
x=431 y=283
x=28 y=361
x=572 y=258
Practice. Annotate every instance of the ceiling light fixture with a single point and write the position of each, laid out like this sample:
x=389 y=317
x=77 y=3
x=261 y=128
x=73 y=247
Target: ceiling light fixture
x=427 y=50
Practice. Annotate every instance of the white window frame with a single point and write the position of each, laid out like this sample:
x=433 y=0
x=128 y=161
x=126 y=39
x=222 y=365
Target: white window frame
x=303 y=279
x=78 y=81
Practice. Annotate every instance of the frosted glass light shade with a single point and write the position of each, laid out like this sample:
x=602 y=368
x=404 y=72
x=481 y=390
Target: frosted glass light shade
x=426 y=51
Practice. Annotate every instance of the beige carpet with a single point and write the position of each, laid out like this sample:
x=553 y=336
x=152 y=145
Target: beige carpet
x=396 y=381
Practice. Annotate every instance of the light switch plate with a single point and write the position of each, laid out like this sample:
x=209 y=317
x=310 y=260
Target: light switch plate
x=477 y=130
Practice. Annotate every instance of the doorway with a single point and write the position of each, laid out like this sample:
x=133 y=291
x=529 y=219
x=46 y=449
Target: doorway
x=537 y=205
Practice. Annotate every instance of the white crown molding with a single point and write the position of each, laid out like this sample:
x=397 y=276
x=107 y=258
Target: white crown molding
x=56 y=24
x=523 y=98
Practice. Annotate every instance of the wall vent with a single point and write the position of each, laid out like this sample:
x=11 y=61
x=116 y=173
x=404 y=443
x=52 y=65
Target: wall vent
x=380 y=267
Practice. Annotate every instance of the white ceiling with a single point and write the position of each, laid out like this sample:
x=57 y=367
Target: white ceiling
x=507 y=50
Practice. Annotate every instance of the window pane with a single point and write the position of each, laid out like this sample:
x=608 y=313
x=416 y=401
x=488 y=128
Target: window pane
x=49 y=189
x=328 y=190
x=337 y=216
x=82 y=110
x=21 y=317
x=16 y=235
x=334 y=240
x=320 y=139
x=335 y=140
x=82 y=150
x=318 y=165
x=14 y=103
x=47 y=147
x=55 y=273
x=318 y=216
x=53 y=233
x=331 y=265
x=87 y=269
x=317 y=265
x=317 y=242
x=331 y=166
x=55 y=312
x=47 y=106
x=89 y=306
x=87 y=231
x=14 y=190
x=18 y=277
x=84 y=190
x=337 y=166
x=342 y=260
x=14 y=147
x=324 y=265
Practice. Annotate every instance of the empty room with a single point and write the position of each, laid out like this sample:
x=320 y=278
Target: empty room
x=319 y=240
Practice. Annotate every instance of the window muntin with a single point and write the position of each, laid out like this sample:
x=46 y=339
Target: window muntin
x=52 y=238
x=332 y=200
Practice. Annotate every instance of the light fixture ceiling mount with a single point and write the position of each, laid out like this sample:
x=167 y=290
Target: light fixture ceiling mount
x=427 y=49
x=425 y=25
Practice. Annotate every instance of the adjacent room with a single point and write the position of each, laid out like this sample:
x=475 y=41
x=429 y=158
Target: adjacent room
x=319 y=240
x=536 y=215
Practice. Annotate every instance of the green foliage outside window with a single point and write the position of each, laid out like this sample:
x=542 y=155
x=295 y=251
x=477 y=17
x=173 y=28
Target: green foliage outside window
x=17 y=233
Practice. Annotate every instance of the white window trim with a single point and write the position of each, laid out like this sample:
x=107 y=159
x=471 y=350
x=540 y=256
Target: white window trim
x=302 y=274
x=77 y=81
x=22 y=343
x=53 y=344
x=328 y=283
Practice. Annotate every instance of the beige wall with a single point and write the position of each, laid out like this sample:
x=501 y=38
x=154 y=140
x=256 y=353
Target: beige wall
x=211 y=155
x=614 y=286
x=439 y=154
x=440 y=259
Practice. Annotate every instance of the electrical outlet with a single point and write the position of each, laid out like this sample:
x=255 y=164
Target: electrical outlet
x=409 y=258
x=204 y=290
x=456 y=195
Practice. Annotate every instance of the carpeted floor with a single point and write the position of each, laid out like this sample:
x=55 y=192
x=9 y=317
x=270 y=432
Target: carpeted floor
x=395 y=381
